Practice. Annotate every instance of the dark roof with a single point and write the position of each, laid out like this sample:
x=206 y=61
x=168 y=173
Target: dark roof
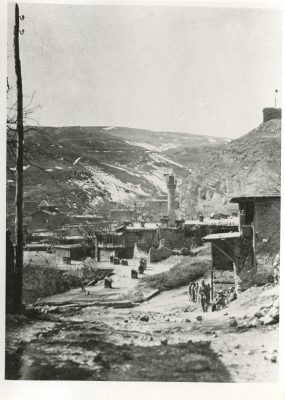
x=258 y=197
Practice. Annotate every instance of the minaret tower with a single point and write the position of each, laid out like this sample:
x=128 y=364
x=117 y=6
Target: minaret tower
x=171 y=187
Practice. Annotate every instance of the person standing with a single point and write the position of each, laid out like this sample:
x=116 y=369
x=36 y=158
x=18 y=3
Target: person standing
x=190 y=290
x=208 y=293
x=196 y=292
x=203 y=297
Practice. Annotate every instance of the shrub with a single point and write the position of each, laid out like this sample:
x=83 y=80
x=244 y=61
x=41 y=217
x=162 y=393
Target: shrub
x=179 y=275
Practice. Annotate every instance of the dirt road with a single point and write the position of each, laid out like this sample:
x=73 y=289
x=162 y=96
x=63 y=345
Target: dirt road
x=159 y=340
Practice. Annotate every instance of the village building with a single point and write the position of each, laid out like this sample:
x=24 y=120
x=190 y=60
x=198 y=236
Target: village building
x=109 y=244
x=44 y=205
x=246 y=257
x=65 y=253
x=46 y=219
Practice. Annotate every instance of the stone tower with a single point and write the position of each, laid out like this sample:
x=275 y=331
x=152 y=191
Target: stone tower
x=171 y=187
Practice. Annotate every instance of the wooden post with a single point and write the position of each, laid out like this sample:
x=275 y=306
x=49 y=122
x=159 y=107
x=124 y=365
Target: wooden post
x=212 y=274
x=19 y=170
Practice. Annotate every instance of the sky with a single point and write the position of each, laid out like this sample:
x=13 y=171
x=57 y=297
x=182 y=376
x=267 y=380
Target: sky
x=198 y=70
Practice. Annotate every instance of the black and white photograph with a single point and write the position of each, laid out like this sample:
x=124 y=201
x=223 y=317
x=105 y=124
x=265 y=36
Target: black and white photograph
x=143 y=192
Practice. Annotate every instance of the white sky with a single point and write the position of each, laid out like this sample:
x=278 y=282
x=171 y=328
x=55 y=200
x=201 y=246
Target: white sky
x=199 y=70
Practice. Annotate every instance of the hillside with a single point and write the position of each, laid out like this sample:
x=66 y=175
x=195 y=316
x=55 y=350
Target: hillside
x=250 y=164
x=78 y=167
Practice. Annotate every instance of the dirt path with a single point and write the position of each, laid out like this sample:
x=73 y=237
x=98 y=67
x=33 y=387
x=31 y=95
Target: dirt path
x=159 y=340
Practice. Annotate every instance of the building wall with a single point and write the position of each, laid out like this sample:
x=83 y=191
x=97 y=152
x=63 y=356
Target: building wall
x=220 y=261
x=143 y=238
x=223 y=280
x=177 y=239
x=267 y=235
x=60 y=253
x=45 y=221
x=245 y=268
x=240 y=272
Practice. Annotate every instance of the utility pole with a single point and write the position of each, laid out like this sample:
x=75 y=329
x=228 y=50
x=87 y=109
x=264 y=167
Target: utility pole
x=19 y=168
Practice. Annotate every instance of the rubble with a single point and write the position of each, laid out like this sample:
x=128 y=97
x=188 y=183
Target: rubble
x=233 y=322
x=144 y=318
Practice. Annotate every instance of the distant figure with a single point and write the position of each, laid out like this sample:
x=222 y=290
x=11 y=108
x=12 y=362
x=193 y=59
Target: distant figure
x=232 y=294
x=219 y=301
x=196 y=292
x=208 y=293
x=83 y=286
x=108 y=282
x=203 y=296
x=275 y=275
x=191 y=290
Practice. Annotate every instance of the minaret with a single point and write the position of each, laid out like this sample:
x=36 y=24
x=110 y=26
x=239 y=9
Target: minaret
x=171 y=186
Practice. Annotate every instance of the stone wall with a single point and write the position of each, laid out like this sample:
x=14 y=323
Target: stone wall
x=190 y=236
x=267 y=236
x=244 y=266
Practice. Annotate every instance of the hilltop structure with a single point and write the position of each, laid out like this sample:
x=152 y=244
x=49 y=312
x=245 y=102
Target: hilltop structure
x=271 y=113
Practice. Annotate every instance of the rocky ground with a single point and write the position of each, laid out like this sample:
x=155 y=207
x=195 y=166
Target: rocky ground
x=164 y=339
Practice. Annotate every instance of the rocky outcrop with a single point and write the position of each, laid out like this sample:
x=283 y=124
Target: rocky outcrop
x=265 y=316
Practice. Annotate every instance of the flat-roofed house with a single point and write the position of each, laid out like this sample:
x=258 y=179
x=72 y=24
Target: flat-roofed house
x=246 y=257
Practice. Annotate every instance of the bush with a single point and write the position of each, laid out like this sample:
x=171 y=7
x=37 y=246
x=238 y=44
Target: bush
x=179 y=275
x=39 y=282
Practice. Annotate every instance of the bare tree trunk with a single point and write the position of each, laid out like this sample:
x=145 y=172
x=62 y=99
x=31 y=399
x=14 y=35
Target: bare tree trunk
x=19 y=170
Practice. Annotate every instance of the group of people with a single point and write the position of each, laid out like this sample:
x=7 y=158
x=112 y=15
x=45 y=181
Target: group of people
x=202 y=294
x=224 y=298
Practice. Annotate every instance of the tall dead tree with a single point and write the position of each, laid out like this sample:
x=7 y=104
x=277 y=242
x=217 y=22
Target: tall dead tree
x=19 y=169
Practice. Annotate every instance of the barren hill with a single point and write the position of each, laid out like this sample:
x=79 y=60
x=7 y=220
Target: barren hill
x=248 y=165
x=78 y=167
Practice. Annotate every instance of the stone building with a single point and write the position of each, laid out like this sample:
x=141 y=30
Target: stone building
x=109 y=244
x=65 y=253
x=140 y=233
x=246 y=257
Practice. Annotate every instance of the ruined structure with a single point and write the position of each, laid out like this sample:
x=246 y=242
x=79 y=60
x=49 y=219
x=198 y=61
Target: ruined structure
x=246 y=257
x=271 y=113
